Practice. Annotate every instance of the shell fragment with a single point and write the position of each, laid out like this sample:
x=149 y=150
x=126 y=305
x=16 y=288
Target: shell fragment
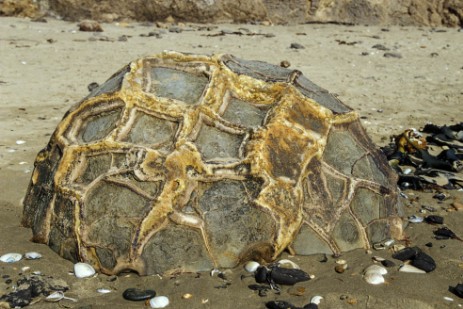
x=159 y=302
x=11 y=257
x=83 y=270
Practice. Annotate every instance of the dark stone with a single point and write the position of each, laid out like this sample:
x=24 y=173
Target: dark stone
x=434 y=219
x=440 y=196
x=429 y=245
x=424 y=262
x=135 y=294
x=310 y=306
x=380 y=47
x=457 y=290
x=286 y=276
x=92 y=86
x=388 y=263
x=408 y=253
x=261 y=274
x=444 y=233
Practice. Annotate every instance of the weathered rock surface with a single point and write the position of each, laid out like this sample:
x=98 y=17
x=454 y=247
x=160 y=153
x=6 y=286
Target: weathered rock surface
x=384 y=12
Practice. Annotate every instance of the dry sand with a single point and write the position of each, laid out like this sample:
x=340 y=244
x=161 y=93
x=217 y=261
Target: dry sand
x=46 y=67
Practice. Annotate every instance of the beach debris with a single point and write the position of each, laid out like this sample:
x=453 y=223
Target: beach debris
x=104 y=290
x=425 y=208
x=296 y=46
x=11 y=257
x=251 y=266
x=440 y=196
x=341 y=266
x=392 y=55
x=187 y=296
x=83 y=270
x=159 y=302
x=407 y=268
x=285 y=64
x=458 y=206
x=274 y=275
x=57 y=296
x=20 y=142
x=384 y=244
x=32 y=255
x=415 y=219
x=29 y=287
x=92 y=86
x=373 y=274
x=445 y=233
x=434 y=219
x=281 y=304
x=285 y=263
x=417 y=258
x=457 y=290
x=411 y=149
x=135 y=294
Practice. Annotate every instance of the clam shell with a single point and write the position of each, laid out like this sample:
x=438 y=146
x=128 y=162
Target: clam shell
x=373 y=278
x=285 y=262
x=375 y=269
x=251 y=266
x=11 y=257
x=32 y=255
x=316 y=300
x=83 y=270
x=407 y=268
x=159 y=302
x=55 y=296
x=103 y=291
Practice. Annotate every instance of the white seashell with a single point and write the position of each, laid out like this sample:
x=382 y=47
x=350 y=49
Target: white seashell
x=407 y=171
x=288 y=262
x=415 y=219
x=11 y=150
x=11 y=257
x=214 y=272
x=373 y=278
x=159 y=302
x=448 y=298
x=389 y=242
x=83 y=270
x=103 y=291
x=37 y=273
x=407 y=268
x=378 y=258
x=316 y=300
x=32 y=255
x=251 y=266
x=375 y=269
x=22 y=162
x=341 y=262
x=25 y=268
x=55 y=296
x=20 y=142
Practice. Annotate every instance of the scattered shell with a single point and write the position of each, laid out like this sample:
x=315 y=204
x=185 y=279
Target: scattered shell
x=187 y=296
x=415 y=219
x=285 y=262
x=316 y=300
x=373 y=278
x=20 y=142
x=448 y=298
x=407 y=268
x=83 y=270
x=250 y=267
x=341 y=262
x=103 y=291
x=340 y=268
x=22 y=163
x=215 y=271
x=37 y=273
x=375 y=269
x=407 y=171
x=32 y=255
x=378 y=258
x=11 y=257
x=25 y=268
x=204 y=301
x=159 y=302
x=55 y=296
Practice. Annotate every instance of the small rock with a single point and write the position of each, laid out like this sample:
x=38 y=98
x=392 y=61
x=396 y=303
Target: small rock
x=392 y=55
x=296 y=46
x=92 y=86
x=429 y=244
x=285 y=64
x=408 y=253
x=434 y=219
x=388 y=263
x=135 y=294
x=440 y=196
x=457 y=205
x=424 y=262
x=279 y=304
x=90 y=26
x=457 y=290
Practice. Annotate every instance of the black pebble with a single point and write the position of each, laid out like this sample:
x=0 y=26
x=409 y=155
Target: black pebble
x=457 y=290
x=310 y=306
x=288 y=276
x=434 y=219
x=429 y=245
x=8 y=281
x=444 y=233
x=424 y=262
x=261 y=274
x=387 y=263
x=280 y=304
x=392 y=55
x=439 y=196
x=138 y=294
x=408 y=253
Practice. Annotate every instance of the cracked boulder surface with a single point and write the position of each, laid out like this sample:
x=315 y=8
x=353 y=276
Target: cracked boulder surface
x=183 y=162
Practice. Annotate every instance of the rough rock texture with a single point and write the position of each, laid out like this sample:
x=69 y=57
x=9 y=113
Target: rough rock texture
x=385 y=12
x=186 y=162
x=22 y=8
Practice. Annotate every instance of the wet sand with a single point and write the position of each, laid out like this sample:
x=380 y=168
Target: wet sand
x=46 y=67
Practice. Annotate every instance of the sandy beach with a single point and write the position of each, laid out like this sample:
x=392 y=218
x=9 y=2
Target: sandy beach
x=395 y=77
